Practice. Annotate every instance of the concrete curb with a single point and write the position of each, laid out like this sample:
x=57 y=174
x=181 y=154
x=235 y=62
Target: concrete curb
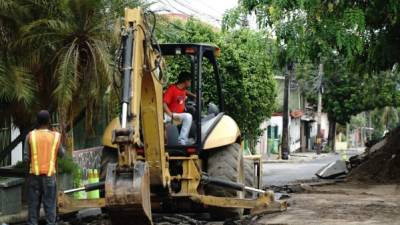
x=297 y=159
x=284 y=161
x=20 y=217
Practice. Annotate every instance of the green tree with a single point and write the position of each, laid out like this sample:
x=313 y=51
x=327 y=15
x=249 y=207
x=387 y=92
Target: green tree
x=349 y=38
x=58 y=55
x=248 y=83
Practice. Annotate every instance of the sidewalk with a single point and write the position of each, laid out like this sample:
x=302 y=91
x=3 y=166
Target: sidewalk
x=18 y=217
x=297 y=157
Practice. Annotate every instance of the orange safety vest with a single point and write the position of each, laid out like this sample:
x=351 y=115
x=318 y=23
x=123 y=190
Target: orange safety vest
x=44 y=146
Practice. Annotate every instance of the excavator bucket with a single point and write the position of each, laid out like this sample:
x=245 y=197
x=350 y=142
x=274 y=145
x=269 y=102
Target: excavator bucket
x=128 y=194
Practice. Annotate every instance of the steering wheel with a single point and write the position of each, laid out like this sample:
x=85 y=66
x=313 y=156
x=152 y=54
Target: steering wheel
x=191 y=107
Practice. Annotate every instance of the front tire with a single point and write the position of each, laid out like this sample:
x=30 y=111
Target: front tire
x=226 y=163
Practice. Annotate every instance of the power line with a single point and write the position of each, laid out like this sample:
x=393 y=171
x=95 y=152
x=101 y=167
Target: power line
x=206 y=5
x=170 y=5
x=173 y=24
x=195 y=11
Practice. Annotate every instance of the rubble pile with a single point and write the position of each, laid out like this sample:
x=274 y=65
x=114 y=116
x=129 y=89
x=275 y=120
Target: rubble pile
x=159 y=219
x=382 y=165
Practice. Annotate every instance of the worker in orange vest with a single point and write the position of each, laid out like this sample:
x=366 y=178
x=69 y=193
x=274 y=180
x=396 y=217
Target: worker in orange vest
x=42 y=146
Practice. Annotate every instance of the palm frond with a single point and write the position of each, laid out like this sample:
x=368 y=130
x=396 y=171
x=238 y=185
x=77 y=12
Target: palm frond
x=62 y=47
x=66 y=76
x=11 y=8
x=16 y=83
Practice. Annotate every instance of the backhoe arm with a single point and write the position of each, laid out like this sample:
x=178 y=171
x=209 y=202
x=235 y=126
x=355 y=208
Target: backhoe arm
x=140 y=139
x=142 y=111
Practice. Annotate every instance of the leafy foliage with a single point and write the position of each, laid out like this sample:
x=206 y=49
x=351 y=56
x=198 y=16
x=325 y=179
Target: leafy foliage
x=384 y=119
x=248 y=84
x=353 y=39
x=59 y=55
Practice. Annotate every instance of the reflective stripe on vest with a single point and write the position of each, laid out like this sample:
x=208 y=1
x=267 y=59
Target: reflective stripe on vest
x=34 y=156
x=53 y=154
x=44 y=147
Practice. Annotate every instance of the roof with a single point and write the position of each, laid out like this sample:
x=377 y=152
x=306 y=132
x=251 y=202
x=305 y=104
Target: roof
x=297 y=113
x=176 y=16
x=185 y=45
x=170 y=48
x=294 y=114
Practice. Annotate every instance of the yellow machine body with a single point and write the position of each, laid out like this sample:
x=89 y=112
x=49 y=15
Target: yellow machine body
x=135 y=177
x=224 y=133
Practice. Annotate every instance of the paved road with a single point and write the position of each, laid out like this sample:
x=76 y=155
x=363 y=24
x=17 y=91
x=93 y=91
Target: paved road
x=288 y=172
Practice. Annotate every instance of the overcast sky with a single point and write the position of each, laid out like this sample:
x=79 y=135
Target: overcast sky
x=207 y=10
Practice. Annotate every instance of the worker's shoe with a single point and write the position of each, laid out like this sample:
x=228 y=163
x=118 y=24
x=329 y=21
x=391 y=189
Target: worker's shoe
x=189 y=141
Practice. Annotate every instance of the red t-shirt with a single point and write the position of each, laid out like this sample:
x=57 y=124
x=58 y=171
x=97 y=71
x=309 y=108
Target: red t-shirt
x=175 y=98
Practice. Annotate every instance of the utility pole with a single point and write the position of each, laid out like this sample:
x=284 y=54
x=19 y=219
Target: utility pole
x=319 y=110
x=285 y=123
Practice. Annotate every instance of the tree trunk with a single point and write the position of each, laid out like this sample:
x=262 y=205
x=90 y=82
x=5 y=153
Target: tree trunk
x=285 y=123
x=303 y=138
x=319 y=110
x=252 y=145
x=332 y=134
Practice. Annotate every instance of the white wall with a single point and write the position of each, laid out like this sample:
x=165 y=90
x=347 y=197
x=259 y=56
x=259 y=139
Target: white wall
x=262 y=144
x=325 y=124
x=277 y=121
x=294 y=130
x=16 y=154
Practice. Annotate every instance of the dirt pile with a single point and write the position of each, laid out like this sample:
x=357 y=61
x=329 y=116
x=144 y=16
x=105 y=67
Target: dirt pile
x=383 y=165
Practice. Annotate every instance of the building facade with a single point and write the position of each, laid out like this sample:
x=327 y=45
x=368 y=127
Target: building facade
x=302 y=124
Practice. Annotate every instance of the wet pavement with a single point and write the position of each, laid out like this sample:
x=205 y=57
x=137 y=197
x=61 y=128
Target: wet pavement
x=282 y=173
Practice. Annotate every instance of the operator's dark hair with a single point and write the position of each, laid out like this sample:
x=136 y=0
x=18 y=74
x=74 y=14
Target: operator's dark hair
x=43 y=117
x=184 y=76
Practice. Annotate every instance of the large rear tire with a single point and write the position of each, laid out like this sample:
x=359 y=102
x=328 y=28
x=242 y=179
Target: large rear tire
x=226 y=163
x=249 y=176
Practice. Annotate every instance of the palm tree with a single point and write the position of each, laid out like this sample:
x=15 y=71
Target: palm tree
x=61 y=51
x=56 y=55
x=17 y=90
x=74 y=44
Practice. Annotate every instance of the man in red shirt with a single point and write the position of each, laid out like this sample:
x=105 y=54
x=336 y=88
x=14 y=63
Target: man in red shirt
x=174 y=105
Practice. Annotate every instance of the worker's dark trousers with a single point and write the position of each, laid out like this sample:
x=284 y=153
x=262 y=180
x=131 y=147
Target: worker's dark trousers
x=41 y=189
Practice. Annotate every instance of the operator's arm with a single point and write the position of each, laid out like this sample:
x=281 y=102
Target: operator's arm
x=166 y=110
x=190 y=94
x=167 y=99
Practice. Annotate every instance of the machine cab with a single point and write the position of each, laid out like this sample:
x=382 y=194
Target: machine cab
x=207 y=108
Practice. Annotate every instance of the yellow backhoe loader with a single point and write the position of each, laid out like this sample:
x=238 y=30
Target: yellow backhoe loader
x=143 y=166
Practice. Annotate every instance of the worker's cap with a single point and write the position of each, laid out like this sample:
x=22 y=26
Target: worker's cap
x=43 y=117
